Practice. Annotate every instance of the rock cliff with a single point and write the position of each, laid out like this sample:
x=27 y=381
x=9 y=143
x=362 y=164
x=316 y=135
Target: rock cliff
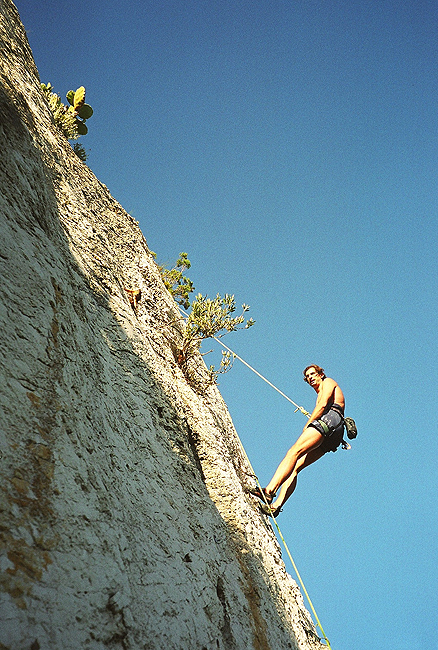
x=124 y=522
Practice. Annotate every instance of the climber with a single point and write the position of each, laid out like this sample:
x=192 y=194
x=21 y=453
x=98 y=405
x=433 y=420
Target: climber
x=323 y=432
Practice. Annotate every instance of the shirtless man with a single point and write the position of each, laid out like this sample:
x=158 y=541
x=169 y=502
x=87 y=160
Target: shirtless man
x=323 y=432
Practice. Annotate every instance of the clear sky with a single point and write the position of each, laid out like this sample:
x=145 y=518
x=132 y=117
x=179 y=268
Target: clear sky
x=290 y=148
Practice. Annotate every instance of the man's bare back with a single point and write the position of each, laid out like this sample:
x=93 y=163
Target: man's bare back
x=336 y=396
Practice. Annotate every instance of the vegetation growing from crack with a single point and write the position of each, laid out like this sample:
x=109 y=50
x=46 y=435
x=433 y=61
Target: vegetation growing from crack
x=207 y=318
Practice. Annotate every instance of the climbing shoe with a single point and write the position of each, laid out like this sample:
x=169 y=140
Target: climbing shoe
x=262 y=494
x=269 y=510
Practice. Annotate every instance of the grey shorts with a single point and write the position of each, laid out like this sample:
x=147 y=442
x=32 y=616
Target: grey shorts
x=333 y=437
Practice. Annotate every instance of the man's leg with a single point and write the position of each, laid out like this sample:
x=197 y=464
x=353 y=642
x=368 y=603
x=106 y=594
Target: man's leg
x=288 y=487
x=310 y=439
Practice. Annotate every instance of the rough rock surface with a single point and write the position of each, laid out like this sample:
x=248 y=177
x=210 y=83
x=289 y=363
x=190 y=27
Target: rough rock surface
x=124 y=522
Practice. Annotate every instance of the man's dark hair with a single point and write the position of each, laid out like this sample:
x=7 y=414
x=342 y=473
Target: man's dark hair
x=318 y=369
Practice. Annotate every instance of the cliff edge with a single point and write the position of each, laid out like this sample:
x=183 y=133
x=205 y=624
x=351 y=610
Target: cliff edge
x=124 y=522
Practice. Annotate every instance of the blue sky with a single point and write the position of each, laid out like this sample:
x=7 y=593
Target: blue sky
x=290 y=148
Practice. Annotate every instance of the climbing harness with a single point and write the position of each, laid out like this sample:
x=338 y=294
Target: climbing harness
x=325 y=427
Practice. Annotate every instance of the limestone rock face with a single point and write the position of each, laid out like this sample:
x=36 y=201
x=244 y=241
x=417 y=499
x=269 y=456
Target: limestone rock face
x=124 y=522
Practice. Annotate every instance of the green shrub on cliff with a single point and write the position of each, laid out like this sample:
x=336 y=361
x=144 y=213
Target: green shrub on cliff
x=176 y=283
x=208 y=318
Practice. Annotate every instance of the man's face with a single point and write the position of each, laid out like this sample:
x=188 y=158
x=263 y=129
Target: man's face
x=313 y=377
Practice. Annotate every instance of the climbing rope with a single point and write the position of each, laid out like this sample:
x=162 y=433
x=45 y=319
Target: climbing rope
x=294 y=565
x=236 y=356
x=287 y=549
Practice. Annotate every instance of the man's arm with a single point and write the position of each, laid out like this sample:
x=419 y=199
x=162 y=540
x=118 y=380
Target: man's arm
x=325 y=395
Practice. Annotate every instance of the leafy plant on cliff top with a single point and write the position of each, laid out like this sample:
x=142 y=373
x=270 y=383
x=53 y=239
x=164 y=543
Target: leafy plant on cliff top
x=70 y=118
